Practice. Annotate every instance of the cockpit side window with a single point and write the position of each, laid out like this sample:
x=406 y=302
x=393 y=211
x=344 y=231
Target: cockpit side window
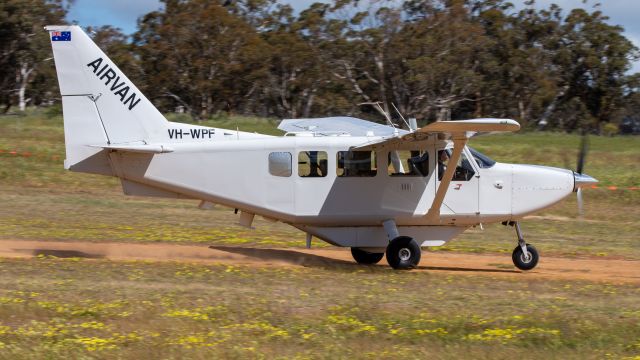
x=483 y=161
x=464 y=170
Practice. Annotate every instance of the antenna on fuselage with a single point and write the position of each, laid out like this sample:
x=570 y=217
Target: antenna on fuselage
x=411 y=128
x=376 y=105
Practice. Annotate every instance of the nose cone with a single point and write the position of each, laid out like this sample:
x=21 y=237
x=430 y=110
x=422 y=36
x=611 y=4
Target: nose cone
x=582 y=180
x=538 y=187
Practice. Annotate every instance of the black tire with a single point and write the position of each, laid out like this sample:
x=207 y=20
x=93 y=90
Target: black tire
x=403 y=253
x=365 y=257
x=523 y=263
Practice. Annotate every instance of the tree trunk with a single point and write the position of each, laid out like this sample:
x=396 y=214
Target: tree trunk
x=309 y=104
x=544 y=119
x=203 y=107
x=23 y=80
x=522 y=110
x=444 y=114
x=379 y=59
x=479 y=110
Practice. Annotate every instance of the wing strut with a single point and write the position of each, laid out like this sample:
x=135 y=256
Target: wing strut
x=458 y=144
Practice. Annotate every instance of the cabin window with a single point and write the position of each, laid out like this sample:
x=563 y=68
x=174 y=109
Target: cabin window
x=464 y=170
x=280 y=164
x=408 y=163
x=312 y=164
x=356 y=164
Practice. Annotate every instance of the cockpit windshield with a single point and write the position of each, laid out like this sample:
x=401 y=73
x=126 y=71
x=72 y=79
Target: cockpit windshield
x=483 y=160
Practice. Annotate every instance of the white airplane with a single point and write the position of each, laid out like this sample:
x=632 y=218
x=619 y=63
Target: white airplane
x=374 y=188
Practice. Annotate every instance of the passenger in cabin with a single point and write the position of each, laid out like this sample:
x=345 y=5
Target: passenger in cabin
x=323 y=166
x=314 y=165
x=317 y=164
x=419 y=164
x=443 y=160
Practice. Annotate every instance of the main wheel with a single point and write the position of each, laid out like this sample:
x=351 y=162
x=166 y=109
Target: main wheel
x=523 y=262
x=365 y=257
x=403 y=253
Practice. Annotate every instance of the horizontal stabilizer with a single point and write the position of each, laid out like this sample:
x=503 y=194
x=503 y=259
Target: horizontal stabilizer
x=139 y=148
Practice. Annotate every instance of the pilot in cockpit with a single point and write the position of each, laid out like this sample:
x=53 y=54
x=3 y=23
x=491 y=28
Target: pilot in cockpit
x=443 y=161
x=419 y=163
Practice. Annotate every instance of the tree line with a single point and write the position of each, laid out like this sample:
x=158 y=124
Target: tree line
x=429 y=59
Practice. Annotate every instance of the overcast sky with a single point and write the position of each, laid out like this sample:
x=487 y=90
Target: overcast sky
x=124 y=13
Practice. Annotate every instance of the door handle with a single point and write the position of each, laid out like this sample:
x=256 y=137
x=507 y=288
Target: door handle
x=498 y=184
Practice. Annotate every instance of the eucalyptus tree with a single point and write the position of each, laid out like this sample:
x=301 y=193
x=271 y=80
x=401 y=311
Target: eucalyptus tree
x=25 y=55
x=200 y=55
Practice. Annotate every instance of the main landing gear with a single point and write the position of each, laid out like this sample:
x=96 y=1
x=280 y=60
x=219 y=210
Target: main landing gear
x=403 y=252
x=365 y=257
x=524 y=256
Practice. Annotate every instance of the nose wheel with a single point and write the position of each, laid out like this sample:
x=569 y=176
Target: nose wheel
x=524 y=256
x=525 y=261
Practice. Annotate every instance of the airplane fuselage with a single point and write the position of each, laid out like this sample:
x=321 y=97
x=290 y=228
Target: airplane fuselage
x=237 y=173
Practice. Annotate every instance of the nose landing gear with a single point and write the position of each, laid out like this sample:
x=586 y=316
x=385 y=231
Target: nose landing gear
x=524 y=256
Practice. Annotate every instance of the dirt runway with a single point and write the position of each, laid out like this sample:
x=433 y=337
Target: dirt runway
x=599 y=270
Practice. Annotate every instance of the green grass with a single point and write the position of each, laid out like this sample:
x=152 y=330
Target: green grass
x=75 y=308
x=43 y=201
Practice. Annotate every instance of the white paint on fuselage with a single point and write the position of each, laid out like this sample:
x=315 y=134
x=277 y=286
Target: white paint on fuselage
x=236 y=174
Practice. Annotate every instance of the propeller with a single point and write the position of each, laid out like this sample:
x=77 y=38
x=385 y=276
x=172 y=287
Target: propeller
x=582 y=155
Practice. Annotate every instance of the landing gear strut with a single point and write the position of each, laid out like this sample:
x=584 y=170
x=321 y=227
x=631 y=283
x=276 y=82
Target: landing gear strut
x=525 y=256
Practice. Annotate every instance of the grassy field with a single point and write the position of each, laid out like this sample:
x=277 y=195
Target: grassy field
x=73 y=308
x=88 y=308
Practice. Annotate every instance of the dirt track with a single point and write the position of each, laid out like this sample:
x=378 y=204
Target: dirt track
x=600 y=270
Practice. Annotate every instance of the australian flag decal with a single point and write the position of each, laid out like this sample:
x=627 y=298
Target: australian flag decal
x=61 y=36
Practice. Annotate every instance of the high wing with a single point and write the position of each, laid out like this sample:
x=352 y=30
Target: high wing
x=451 y=129
x=474 y=125
x=340 y=125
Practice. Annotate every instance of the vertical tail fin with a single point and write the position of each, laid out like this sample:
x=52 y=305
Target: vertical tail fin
x=100 y=104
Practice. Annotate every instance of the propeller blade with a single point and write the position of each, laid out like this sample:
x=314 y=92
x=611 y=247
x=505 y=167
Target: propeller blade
x=580 y=203
x=582 y=154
